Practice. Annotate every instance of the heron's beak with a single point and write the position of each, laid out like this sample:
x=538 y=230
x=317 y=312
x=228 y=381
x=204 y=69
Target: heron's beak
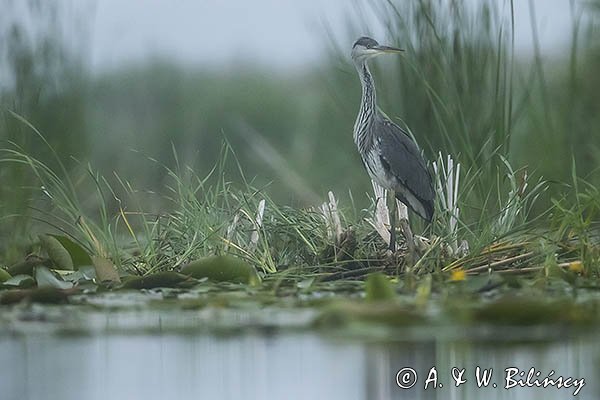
x=388 y=49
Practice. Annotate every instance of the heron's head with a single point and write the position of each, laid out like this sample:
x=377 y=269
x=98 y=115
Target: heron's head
x=366 y=48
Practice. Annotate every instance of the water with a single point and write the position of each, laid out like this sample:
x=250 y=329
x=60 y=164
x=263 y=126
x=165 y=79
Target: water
x=171 y=355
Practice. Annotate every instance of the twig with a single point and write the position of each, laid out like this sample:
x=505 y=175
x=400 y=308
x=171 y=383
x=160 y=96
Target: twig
x=501 y=263
x=492 y=249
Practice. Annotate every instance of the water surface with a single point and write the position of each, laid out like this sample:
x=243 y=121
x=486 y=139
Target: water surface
x=171 y=355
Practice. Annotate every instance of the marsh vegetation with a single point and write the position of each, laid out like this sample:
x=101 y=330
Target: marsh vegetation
x=125 y=179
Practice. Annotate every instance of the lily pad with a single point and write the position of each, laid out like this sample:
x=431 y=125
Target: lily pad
x=26 y=266
x=47 y=295
x=527 y=310
x=305 y=283
x=13 y=296
x=20 y=281
x=343 y=314
x=160 y=279
x=45 y=278
x=379 y=288
x=56 y=252
x=105 y=270
x=78 y=254
x=222 y=269
x=83 y=274
x=4 y=275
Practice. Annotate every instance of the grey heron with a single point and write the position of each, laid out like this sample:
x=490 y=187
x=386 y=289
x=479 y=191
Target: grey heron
x=389 y=154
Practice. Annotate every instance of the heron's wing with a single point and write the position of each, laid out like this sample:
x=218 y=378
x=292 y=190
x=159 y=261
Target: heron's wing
x=405 y=161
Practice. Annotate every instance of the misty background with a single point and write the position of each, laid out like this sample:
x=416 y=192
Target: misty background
x=127 y=87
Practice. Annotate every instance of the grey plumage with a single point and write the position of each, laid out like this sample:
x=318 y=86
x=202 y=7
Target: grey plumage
x=389 y=154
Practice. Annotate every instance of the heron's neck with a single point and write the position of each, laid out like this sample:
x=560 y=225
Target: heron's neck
x=367 y=102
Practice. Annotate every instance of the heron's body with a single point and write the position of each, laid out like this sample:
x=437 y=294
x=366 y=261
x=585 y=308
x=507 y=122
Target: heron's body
x=390 y=156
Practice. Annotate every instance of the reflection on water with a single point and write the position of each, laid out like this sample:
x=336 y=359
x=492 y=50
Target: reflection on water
x=572 y=358
x=259 y=365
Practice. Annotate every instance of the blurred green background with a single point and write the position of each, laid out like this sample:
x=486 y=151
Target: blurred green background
x=459 y=88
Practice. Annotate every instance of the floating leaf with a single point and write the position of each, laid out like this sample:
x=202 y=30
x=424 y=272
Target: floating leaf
x=13 y=296
x=484 y=283
x=105 y=270
x=222 y=269
x=56 y=252
x=342 y=314
x=379 y=288
x=44 y=277
x=305 y=283
x=527 y=310
x=78 y=254
x=84 y=273
x=423 y=292
x=513 y=281
x=21 y=281
x=26 y=266
x=48 y=295
x=165 y=279
x=4 y=275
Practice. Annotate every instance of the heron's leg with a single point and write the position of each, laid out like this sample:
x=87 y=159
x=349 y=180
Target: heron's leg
x=393 y=223
x=410 y=240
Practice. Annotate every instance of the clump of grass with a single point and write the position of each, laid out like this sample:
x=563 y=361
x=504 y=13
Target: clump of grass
x=59 y=190
x=576 y=224
x=209 y=215
x=206 y=215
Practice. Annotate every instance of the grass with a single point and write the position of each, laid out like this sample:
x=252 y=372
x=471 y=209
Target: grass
x=211 y=215
x=462 y=90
